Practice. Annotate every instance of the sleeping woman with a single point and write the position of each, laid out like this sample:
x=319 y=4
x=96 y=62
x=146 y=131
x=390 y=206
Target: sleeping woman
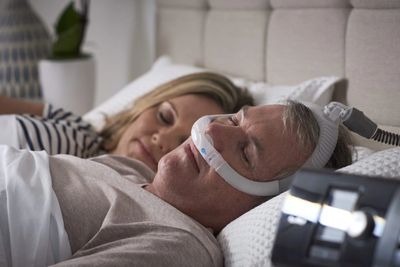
x=155 y=124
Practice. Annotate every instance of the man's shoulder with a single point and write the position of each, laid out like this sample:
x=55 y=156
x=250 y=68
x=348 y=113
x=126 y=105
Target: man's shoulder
x=122 y=166
x=126 y=166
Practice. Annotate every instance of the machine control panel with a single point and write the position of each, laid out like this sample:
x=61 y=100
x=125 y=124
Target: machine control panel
x=336 y=219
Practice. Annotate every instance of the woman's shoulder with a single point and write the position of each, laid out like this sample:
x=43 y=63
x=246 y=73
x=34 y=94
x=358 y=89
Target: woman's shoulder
x=61 y=134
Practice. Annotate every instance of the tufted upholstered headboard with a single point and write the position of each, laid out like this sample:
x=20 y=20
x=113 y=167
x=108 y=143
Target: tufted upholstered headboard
x=288 y=41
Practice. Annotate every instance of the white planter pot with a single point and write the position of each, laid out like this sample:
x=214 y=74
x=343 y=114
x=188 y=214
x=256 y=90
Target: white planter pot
x=69 y=84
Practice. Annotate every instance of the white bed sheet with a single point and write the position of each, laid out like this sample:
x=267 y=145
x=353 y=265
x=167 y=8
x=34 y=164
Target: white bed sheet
x=31 y=225
x=9 y=131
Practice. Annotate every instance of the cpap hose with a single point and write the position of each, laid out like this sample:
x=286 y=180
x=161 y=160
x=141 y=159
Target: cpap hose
x=357 y=122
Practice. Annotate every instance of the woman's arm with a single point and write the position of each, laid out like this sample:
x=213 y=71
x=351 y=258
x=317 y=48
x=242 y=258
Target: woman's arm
x=17 y=106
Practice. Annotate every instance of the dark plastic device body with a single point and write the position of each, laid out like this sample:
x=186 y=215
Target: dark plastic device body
x=361 y=124
x=314 y=244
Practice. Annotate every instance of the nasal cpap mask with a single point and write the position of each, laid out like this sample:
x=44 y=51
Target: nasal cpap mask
x=328 y=119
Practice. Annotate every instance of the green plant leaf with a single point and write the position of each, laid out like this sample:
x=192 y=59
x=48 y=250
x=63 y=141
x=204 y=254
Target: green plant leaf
x=68 y=18
x=70 y=30
x=68 y=43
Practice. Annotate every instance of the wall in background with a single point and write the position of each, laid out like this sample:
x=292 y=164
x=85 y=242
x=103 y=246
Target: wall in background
x=120 y=35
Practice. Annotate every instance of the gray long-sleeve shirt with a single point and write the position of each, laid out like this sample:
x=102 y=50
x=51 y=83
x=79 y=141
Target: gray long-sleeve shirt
x=112 y=221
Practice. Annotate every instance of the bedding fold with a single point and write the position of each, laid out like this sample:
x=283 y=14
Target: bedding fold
x=31 y=226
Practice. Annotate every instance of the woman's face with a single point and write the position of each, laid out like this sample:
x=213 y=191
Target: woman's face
x=162 y=128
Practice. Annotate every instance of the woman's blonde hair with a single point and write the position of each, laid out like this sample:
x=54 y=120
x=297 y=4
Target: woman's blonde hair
x=213 y=85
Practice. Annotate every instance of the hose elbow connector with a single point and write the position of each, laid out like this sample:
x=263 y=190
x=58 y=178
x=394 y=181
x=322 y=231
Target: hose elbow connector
x=352 y=118
x=356 y=121
x=359 y=123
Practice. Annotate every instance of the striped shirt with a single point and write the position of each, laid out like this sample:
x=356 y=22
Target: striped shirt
x=57 y=132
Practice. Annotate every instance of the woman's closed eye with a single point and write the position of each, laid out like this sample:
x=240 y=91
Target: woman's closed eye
x=164 y=118
x=165 y=114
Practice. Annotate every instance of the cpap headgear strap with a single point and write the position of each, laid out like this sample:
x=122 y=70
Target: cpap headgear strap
x=328 y=135
x=320 y=156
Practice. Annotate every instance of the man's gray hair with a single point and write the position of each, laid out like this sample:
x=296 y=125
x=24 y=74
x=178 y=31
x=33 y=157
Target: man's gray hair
x=300 y=120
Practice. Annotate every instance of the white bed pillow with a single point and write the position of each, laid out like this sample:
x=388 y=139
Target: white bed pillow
x=385 y=163
x=248 y=240
x=318 y=90
x=360 y=152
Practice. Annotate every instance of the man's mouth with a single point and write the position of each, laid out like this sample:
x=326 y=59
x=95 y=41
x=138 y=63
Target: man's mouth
x=192 y=155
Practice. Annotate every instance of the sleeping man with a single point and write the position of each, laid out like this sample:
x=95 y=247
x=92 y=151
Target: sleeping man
x=114 y=211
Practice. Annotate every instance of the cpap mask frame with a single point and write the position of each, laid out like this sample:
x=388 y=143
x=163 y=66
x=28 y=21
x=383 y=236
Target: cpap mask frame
x=328 y=118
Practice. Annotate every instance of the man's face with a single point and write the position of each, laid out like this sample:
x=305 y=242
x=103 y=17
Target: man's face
x=253 y=142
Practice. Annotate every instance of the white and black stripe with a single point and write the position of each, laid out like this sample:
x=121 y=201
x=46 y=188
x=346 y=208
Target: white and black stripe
x=58 y=132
